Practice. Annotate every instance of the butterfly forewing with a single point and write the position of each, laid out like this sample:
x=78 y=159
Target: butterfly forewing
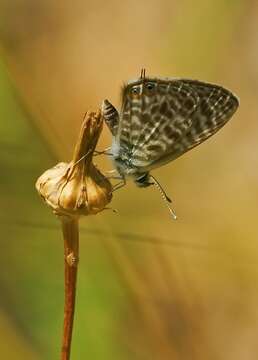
x=162 y=119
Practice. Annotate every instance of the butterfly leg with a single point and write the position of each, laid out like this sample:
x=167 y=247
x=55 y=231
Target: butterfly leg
x=120 y=184
x=113 y=174
x=103 y=152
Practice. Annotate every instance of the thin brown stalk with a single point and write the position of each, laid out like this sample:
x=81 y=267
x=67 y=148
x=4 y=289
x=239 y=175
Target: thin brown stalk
x=72 y=190
x=71 y=258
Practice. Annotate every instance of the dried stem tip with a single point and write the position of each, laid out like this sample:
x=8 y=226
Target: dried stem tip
x=78 y=188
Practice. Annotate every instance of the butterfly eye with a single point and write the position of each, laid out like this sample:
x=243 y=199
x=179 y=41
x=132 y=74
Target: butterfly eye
x=150 y=86
x=135 y=90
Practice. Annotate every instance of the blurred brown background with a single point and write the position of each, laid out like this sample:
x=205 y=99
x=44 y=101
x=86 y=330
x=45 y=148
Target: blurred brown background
x=149 y=288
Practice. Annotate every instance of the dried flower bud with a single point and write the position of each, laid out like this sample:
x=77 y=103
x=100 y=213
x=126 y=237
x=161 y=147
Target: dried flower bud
x=78 y=188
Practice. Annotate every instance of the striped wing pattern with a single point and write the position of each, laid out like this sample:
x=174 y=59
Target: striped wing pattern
x=158 y=125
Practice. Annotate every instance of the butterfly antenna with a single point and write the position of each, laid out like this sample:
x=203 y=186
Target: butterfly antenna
x=143 y=71
x=164 y=196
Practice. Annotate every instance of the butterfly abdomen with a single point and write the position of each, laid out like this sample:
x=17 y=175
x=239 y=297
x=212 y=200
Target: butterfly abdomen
x=111 y=116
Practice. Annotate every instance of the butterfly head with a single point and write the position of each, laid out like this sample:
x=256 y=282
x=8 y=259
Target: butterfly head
x=142 y=88
x=146 y=100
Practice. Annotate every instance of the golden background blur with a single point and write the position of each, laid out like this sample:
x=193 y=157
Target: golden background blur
x=149 y=287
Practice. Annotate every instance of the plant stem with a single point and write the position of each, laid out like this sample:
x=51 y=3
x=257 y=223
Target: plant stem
x=71 y=258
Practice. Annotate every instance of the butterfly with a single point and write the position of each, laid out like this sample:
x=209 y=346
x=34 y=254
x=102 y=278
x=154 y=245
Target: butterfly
x=161 y=119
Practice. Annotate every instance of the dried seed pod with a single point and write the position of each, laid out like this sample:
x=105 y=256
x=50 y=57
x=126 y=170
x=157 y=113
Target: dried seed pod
x=78 y=188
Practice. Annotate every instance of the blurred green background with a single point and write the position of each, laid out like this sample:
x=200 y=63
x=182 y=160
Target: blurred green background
x=148 y=287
